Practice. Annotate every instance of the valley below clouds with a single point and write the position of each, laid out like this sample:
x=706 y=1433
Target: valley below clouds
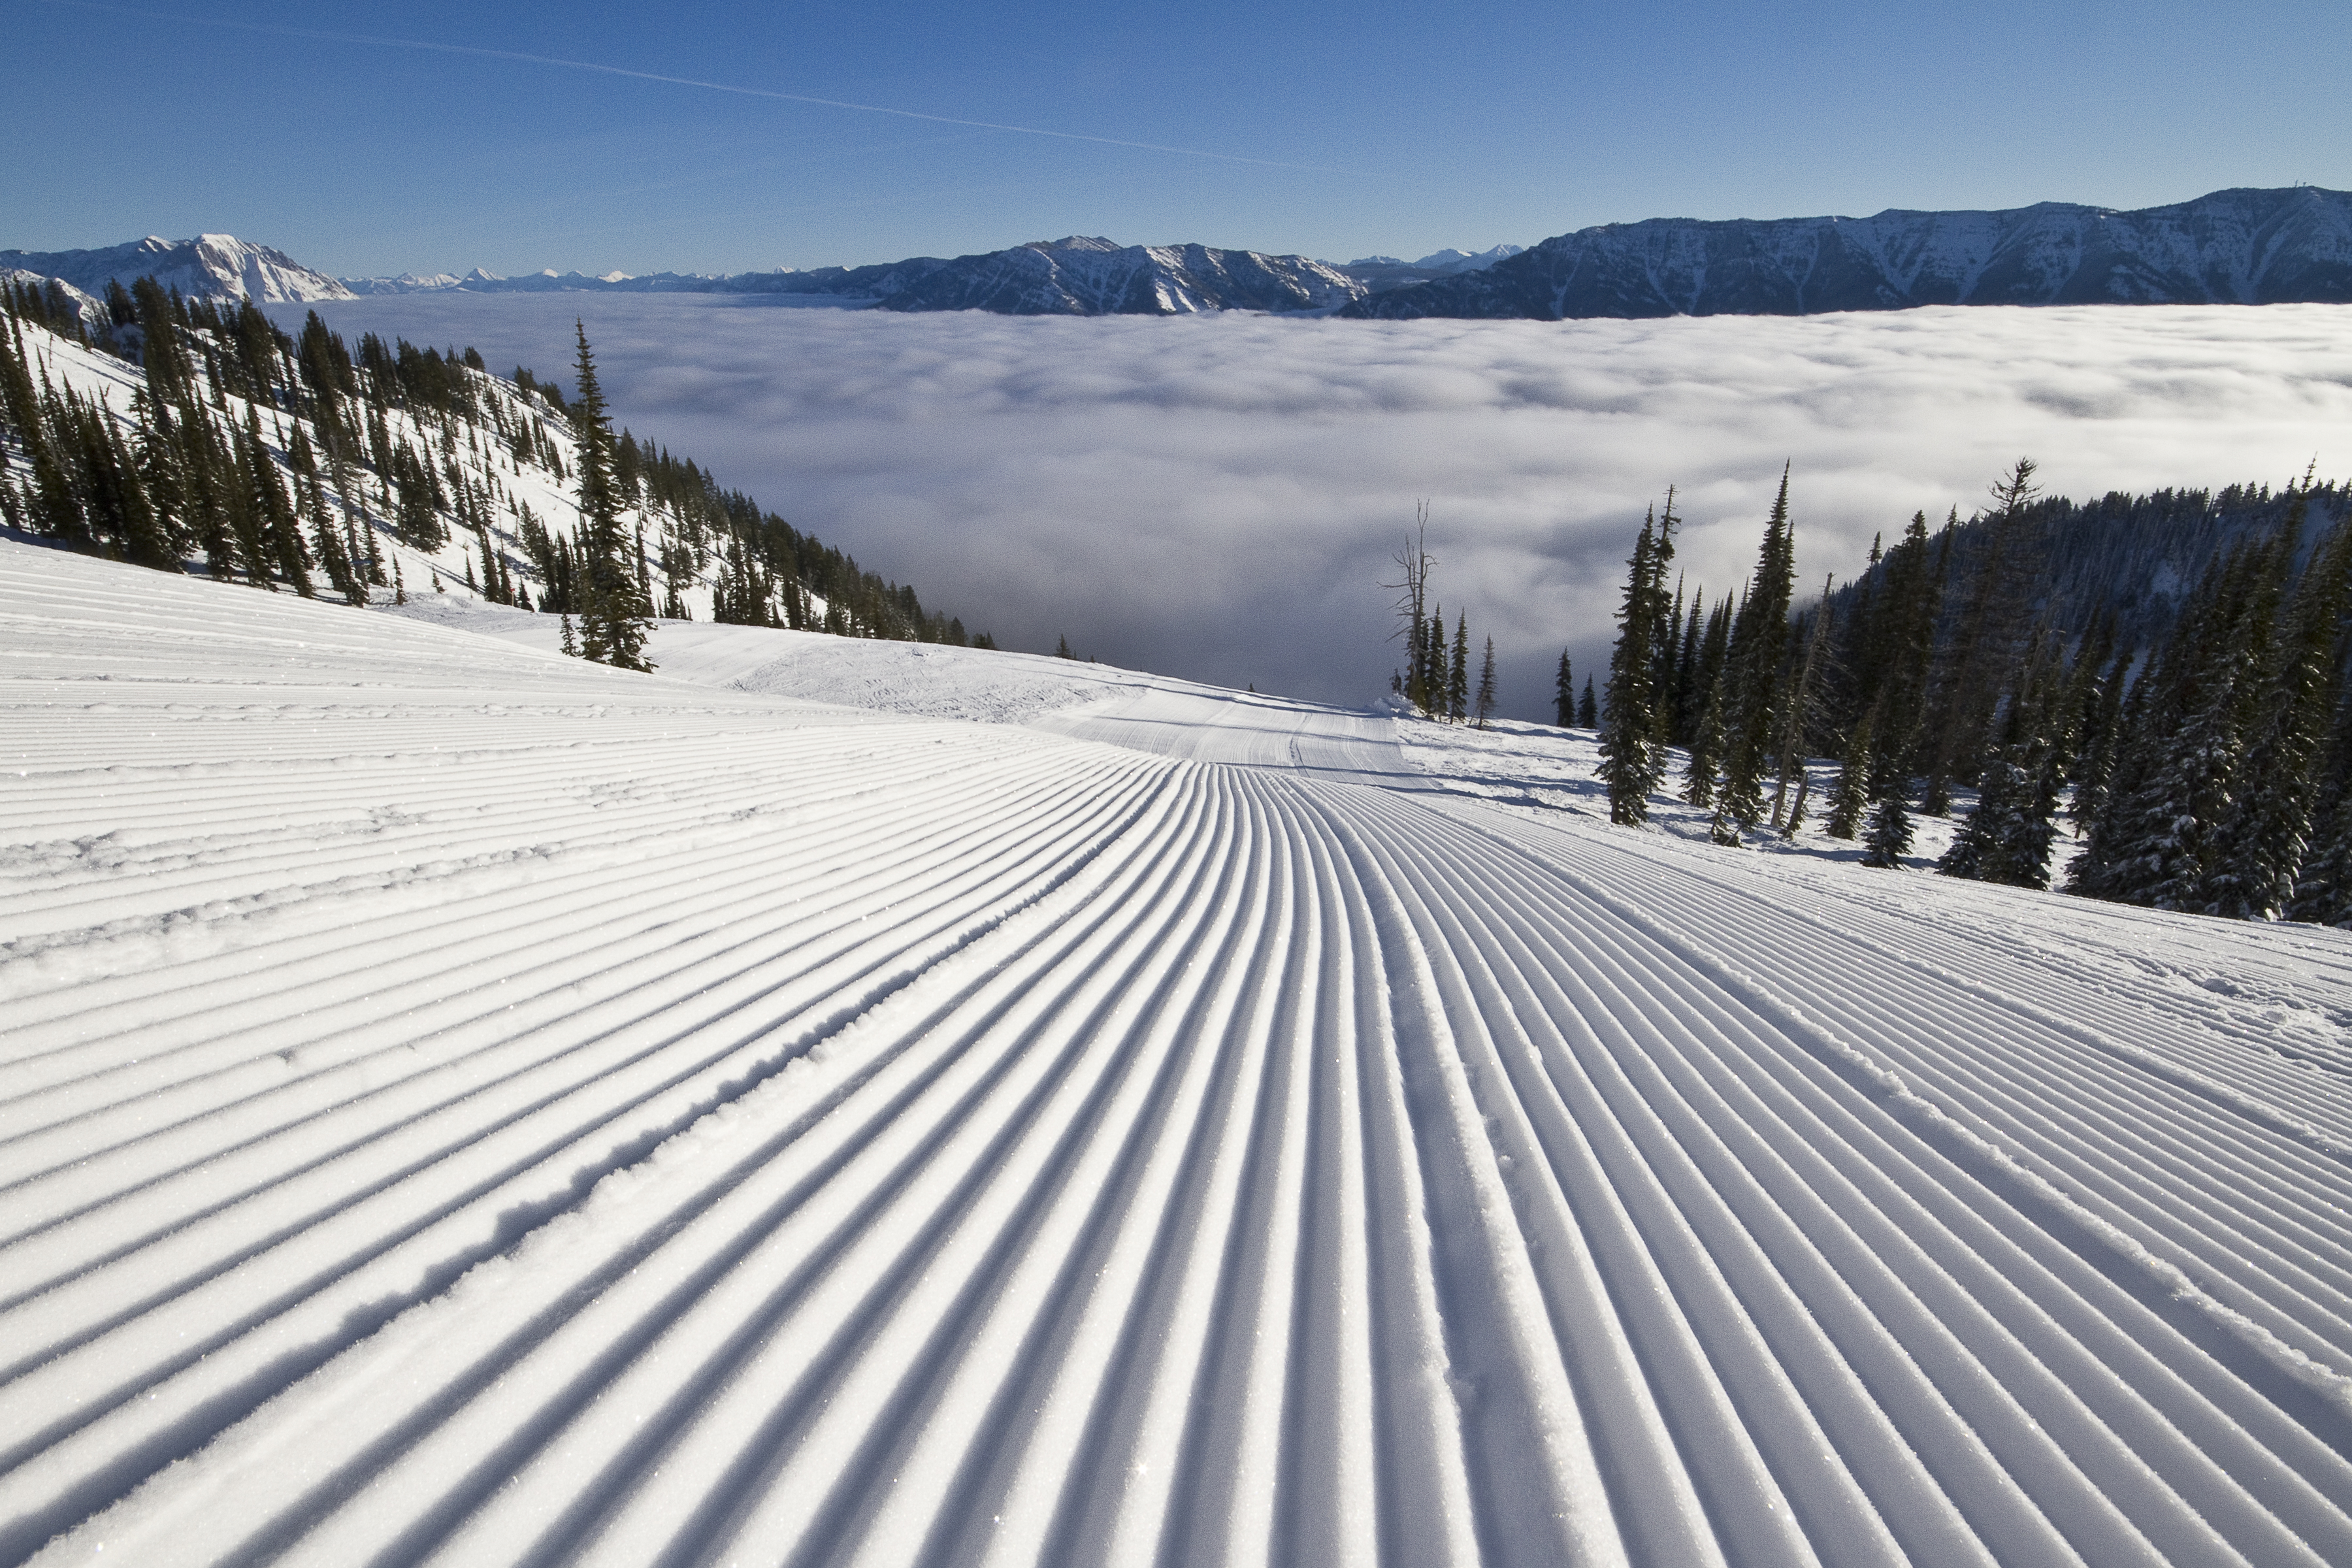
x=1217 y=497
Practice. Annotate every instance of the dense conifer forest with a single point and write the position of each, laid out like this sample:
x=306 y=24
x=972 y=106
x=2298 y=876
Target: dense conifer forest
x=2146 y=696
x=303 y=464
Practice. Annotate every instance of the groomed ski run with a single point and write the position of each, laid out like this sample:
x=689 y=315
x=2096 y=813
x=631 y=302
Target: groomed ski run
x=463 y=1105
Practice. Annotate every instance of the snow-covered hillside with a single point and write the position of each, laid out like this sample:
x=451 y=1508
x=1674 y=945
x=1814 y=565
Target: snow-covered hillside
x=460 y=1104
x=303 y=465
x=209 y=267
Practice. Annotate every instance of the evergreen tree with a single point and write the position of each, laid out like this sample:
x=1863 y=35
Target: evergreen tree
x=1633 y=761
x=1889 y=835
x=2102 y=731
x=2152 y=841
x=1799 y=702
x=1758 y=649
x=2262 y=845
x=1900 y=654
x=1588 y=708
x=2323 y=886
x=1988 y=822
x=1693 y=679
x=1706 y=755
x=1457 y=678
x=614 y=621
x=1563 y=693
x=1983 y=647
x=1485 y=698
x=1853 y=798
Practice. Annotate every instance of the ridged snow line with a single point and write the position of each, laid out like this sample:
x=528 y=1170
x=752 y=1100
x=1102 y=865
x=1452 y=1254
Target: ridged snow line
x=461 y=1105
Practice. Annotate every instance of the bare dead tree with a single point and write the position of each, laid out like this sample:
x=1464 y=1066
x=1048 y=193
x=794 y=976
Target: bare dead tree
x=1413 y=563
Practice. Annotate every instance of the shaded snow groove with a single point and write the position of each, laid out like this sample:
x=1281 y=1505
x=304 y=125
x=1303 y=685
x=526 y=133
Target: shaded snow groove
x=893 y=1142
x=1851 y=1058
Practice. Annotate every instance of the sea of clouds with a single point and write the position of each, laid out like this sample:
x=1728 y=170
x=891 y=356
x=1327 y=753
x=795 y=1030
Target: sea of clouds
x=1218 y=496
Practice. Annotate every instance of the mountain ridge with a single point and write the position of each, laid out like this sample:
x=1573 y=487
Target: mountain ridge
x=2241 y=246
x=209 y=267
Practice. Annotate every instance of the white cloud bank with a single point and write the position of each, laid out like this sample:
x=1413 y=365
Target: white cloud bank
x=1217 y=497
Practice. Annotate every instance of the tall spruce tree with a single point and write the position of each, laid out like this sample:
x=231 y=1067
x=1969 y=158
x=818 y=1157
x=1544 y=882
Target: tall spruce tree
x=2262 y=844
x=1983 y=646
x=1457 y=678
x=2323 y=884
x=1563 y=693
x=1758 y=648
x=614 y=619
x=2151 y=840
x=1800 y=703
x=1483 y=703
x=1632 y=759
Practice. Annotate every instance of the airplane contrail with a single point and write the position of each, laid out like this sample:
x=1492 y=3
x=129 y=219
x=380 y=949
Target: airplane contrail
x=376 y=41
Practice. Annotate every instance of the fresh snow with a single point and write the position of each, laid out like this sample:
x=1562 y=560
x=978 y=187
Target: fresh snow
x=841 y=1101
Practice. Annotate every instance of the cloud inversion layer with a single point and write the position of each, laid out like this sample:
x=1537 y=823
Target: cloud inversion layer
x=1217 y=497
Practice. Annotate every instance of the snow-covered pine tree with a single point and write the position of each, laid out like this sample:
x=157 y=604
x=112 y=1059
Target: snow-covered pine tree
x=614 y=621
x=2152 y=842
x=2323 y=886
x=2261 y=846
x=1888 y=838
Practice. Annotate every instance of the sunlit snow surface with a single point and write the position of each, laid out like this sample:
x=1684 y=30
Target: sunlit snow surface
x=463 y=1105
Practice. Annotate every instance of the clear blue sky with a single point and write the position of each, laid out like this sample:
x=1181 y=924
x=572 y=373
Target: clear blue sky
x=1332 y=130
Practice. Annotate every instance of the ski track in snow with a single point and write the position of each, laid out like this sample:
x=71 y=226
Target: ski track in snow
x=460 y=1105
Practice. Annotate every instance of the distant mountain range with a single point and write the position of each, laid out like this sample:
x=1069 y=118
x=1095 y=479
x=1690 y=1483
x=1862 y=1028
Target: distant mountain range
x=2237 y=247
x=1076 y=276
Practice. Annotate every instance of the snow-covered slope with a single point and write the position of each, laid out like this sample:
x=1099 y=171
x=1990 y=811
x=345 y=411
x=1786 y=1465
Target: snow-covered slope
x=513 y=466
x=2236 y=247
x=463 y=1105
x=209 y=267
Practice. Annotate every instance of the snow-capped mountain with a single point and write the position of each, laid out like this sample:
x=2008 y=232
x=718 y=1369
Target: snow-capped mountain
x=209 y=267
x=1381 y=273
x=1450 y=261
x=1082 y=276
x=2234 y=247
x=1079 y=275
